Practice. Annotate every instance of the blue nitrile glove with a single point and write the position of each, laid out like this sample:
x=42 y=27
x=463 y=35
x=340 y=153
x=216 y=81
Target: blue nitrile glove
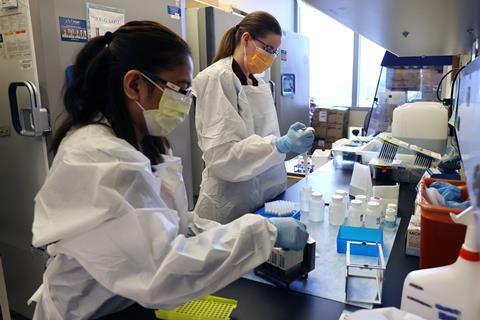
x=448 y=191
x=458 y=205
x=296 y=140
x=291 y=233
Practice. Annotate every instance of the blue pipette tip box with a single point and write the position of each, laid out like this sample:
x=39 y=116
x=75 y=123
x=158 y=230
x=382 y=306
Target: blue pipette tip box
x=360 y=234
x=294 y=214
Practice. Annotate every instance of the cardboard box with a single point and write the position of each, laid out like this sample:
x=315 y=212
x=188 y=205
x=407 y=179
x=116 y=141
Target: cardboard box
x=320 y=116
x=321 y=130
x=412 y=241
x=338 y=115
x=335 y=131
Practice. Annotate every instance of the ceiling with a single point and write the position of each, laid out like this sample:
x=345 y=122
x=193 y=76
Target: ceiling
x=410 y=27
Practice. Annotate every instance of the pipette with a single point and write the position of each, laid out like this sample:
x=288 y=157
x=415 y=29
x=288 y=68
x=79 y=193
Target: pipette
x=306 y=167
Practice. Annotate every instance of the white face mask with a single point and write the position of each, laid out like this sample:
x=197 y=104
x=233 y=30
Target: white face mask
x=172 y=109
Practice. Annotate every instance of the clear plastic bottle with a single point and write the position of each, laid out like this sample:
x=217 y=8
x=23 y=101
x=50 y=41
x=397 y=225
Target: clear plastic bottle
x=390 y=220
x=344 y=194
x=362 y=198
x=336 y=215
x=305 y=197
x=373 y=215
x=355 y=214
x=317 y=207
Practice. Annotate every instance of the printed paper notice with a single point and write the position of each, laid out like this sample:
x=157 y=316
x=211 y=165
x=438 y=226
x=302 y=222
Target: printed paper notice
x=102 y=19
x=15 y=37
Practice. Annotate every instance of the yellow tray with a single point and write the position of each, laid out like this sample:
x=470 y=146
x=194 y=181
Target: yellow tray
x=207 y=308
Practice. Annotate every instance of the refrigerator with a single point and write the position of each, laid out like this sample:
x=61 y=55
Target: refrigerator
x=33 y=56
x=288 y=77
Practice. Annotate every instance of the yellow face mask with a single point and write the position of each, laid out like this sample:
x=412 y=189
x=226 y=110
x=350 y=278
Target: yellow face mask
x=259 y=61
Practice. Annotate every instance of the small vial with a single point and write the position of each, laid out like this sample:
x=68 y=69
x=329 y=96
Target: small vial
x=373 y=215
x=355 y=214
x=305 y=197
x=392 y=206
x=336 y=214
x=362 y=198
x=390 y=221
x=317 y=207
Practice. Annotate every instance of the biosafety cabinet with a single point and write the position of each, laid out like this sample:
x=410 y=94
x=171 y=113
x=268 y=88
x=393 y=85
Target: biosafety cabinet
x=38 y=41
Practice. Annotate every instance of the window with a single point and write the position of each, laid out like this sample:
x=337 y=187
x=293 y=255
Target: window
x=332 y=57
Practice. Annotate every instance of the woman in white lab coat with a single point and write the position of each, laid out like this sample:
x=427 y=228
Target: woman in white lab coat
x=112 y=213
x=237 y=124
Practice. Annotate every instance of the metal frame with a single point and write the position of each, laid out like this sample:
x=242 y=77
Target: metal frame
x=380 y=268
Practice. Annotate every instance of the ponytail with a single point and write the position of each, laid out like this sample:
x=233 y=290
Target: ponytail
x=228 y=44
x=258 y=24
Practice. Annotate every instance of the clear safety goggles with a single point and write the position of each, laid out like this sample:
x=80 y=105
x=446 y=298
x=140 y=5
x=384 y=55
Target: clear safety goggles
x=268 y=48
x=182 y=94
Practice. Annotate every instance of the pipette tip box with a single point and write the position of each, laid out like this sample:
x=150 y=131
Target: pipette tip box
x=294 y=214
x=360 y=234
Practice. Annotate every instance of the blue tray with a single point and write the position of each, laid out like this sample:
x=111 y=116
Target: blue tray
x=360 y=234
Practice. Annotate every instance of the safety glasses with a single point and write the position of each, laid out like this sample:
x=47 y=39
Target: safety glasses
x=268 y=48
x=172 y=86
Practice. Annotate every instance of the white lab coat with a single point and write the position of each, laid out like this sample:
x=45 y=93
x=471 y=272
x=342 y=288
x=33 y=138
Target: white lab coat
x=237 y=127
x=117 y=233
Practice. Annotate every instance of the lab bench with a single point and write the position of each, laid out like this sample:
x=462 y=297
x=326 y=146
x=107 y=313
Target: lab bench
x=261 y=301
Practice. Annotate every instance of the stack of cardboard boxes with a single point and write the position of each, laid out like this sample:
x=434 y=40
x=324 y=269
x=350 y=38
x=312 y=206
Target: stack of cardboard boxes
x=330 y=124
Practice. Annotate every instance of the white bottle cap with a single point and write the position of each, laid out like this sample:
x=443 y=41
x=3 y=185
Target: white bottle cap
x=391 y=214
x=317 y=196
x=392 y=206
x=337 y=198
x=356 y=203
x=341 y=192
x=361 y=197
x=373 y=204
x=377 y=199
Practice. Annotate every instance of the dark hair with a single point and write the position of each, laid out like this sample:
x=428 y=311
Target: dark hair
x=95 y=93
x=258 y=24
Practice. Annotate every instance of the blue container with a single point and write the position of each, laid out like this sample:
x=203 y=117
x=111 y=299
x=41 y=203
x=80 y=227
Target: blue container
x=294 y=214
x=360 y=234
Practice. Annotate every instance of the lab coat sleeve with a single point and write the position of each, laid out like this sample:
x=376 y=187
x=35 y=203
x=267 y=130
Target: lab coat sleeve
x=141 y=257
x=243 y=160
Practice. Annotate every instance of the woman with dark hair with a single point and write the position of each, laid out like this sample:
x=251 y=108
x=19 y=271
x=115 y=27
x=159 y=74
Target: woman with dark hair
x=112 y=213
x=237 y=124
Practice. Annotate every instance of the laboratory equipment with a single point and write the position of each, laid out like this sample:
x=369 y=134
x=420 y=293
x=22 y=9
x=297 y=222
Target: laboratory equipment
x=206 y=308
x=336 y=211
x=390 y=220
x=361 y=182
x=37 y=58
x=286 y=266
x=317 y=207
x=345 y=199
x=362 y=270
x=359 y=234
x=402 y=80
x=373 y=215
x=409 y=125
x=355 y=213
x=449 y=292
x=280 y=208
x=305 y=197
x=389 y=149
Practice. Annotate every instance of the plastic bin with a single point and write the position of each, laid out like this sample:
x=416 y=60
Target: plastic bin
x=441 y=238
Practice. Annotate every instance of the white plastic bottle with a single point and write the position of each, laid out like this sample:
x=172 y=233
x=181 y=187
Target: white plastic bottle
x=373 y=215
x=393 y=206
x=382 y=207
x=305 y=197
x=336 y=215
x=390 y=220
x=362 y=198
x=355 y=214
x=449 y=292
x=317 y=207
x=346 y=198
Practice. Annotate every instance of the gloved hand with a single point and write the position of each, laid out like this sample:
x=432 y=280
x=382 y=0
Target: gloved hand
x=291 y=233
x=296 y=140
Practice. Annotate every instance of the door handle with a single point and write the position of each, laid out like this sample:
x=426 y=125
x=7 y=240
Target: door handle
x=31 y=121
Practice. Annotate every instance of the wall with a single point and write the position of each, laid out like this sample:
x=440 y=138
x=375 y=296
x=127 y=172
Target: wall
x=283 y=10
